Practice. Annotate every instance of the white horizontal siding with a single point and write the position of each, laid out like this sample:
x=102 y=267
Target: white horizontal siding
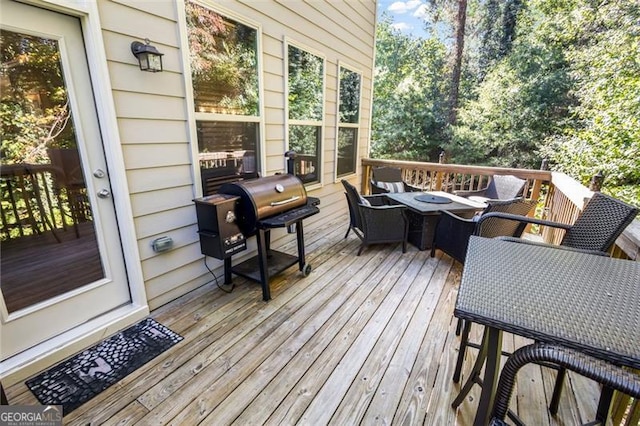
x=160 y=155
x=126 y=78
x=157 y=223
x=131 y=21
x=160 y=8
x=170 y=261
x=165 y=199
x=157 y=178
x=154 y=123
x=151 y=106
x=140 y=131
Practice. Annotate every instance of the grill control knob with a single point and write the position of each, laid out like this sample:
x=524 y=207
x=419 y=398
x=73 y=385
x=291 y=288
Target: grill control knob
x=231 y=217
x=279 y=188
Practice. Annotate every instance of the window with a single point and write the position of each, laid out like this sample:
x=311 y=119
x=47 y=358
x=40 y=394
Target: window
x=224 y=70
x=305 y=103
x=348 y=121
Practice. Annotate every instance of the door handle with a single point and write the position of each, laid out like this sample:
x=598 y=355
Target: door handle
x=104 y=193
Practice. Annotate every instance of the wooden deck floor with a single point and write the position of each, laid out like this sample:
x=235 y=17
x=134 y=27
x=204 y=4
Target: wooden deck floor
x=362 y=340
x=37 y=267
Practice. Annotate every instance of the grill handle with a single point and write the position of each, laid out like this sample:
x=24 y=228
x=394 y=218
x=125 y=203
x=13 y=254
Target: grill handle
x=288 y=200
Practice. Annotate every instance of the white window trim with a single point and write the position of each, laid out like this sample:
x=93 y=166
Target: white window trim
x=204 y=116
x=192 y=115
x=336 y=179
x=321 y=123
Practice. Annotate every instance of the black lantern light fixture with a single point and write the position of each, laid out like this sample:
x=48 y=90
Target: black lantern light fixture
x=148 y=56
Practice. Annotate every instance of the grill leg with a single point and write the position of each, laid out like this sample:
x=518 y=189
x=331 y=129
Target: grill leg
x=262 y=260
x=300 y=238
x=227 y=270
x=267 y=238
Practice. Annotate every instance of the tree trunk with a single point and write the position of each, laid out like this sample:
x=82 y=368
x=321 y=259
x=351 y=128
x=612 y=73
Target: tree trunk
x=457 y=61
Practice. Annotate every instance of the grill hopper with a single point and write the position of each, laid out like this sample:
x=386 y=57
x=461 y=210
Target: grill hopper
x=265 y=197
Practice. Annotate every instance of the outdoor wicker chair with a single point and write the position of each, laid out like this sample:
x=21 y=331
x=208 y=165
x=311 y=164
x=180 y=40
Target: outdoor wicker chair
x=389 y=179
x=452 y=232
x=501 y=187
x=373 y=221
x=610 y=376
x=597 y=227
x=452 y=235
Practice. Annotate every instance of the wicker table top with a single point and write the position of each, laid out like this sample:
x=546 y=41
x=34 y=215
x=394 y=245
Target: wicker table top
x=581 y=301
x=457 y=203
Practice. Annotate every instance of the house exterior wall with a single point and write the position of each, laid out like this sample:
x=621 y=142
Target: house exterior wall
x=154 y=115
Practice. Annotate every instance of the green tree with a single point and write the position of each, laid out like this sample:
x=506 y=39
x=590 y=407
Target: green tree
x=34 y=109
x=223 y=62
x=306 y=72
x=497 y=32
x=523 y=99
x=604 y=133
x=410 y=109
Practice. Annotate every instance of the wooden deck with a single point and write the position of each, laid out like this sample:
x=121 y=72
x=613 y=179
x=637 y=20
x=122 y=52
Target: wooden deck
x=362 y=340
x=36 y=268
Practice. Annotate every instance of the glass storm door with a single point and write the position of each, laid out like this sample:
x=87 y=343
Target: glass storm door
x=62 y=261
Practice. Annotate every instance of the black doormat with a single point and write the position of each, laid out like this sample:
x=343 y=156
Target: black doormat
x=80 y=378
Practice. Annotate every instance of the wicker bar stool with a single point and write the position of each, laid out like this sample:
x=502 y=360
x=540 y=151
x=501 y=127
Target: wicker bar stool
x=609 y=375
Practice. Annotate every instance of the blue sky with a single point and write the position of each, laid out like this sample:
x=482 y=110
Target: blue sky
x=408 y=16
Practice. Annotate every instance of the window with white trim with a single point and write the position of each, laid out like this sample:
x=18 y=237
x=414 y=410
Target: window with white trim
x=348 y=121
x=305 y=106
x=224 y=67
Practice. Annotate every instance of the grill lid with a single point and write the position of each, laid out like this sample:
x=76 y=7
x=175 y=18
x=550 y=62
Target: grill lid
x=265 y=197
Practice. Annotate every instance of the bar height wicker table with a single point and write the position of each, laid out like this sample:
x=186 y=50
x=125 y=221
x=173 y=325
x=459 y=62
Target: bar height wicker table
x=580 y=301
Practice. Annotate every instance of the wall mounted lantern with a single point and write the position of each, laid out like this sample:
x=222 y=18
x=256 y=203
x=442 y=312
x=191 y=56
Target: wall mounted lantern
x=148 y=56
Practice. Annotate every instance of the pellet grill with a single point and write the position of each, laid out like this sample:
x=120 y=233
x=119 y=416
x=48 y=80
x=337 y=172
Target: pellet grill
x=246 y=208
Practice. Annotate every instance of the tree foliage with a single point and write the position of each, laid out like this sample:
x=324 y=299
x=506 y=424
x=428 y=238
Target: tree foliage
x=305 y=85
x=523 y=99
x=542 y=79
x=223 y=60
x=497 y=32
x=34 y=109
x=410 y=116
x=604 y=132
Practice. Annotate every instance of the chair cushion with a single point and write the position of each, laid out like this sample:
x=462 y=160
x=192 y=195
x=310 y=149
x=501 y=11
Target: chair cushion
x=364 y=201
x=391 y=186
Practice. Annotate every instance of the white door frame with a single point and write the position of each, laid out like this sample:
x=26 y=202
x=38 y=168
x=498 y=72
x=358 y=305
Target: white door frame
x=23 y=365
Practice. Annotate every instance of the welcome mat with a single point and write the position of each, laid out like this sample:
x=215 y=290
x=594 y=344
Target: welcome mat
x=78 y=379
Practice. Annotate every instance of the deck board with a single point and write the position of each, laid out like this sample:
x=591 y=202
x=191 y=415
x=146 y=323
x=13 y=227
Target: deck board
x=364 y=339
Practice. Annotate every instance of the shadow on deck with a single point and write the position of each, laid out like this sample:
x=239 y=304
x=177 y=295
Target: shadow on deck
x=362 y=340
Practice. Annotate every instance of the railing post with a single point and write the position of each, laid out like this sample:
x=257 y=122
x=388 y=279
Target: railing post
x=366 y=173
x=535 y=192
x=596 y=182
x=544 y=165
x=439 y=174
